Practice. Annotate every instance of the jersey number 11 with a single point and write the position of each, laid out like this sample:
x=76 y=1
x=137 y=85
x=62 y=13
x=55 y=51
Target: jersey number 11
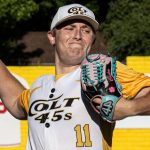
x=86 y=136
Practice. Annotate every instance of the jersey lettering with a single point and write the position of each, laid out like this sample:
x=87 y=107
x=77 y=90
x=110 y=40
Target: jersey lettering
x=40 y=110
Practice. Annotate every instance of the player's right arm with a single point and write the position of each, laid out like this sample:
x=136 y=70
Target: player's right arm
x=10 y=91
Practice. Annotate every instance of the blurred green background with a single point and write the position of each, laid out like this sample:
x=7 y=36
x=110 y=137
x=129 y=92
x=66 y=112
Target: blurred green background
x=124 y=26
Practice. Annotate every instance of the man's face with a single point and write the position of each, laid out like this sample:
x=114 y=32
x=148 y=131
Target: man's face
x=71 y=41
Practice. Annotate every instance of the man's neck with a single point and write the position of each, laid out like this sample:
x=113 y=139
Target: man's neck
x=64 y=69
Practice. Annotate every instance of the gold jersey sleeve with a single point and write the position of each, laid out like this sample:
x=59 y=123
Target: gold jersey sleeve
x=24 y=100
x=25 y=95
x=131 y=81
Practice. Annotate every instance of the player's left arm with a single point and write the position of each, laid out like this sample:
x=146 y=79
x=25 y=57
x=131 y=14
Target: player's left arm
x=139 y=105
x=136 y=93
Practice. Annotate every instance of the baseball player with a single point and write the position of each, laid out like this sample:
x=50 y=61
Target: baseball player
x=59 y=117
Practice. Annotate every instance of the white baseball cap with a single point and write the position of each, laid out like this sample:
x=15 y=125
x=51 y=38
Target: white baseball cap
x=74 y=11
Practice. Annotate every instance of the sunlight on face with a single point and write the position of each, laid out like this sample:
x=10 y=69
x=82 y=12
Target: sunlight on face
x=72 y=40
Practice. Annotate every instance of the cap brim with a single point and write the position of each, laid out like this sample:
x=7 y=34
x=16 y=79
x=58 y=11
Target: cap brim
x=88 y=19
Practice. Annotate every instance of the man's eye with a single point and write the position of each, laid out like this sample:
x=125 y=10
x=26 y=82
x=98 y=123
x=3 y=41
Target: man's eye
x=86 y=30
x=68 y=28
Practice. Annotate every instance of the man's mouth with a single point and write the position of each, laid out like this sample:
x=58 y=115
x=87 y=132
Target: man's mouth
x=75 y=45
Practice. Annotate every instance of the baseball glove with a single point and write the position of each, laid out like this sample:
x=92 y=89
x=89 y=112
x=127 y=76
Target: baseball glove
x=98 y=80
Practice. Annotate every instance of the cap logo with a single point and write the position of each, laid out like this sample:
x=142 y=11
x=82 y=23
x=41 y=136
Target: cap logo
x=77 y=10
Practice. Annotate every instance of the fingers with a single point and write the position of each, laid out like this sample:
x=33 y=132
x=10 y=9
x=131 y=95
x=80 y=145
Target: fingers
x=96 y=103
x=97 y=100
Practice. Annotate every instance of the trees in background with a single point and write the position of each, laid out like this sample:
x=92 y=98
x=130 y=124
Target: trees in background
x=125 y=24
x=127 y=28
x=13 y=12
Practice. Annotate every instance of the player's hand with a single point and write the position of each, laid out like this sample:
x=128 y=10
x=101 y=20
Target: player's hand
x=99 y=84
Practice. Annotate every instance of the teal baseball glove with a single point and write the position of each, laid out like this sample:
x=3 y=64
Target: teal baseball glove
x=98 y=80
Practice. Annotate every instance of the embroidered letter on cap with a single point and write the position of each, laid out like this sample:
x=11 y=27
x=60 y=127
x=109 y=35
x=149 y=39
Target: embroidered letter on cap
x=77 y=10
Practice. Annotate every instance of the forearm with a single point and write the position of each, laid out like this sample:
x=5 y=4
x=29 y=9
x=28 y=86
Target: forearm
x=10 y=90
x=142 y=105
x=138 y=106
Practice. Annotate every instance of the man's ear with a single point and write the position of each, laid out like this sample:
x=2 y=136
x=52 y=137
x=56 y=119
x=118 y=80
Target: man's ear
x=51 y=37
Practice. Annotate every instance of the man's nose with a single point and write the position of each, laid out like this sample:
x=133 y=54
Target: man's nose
x=78 y=34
